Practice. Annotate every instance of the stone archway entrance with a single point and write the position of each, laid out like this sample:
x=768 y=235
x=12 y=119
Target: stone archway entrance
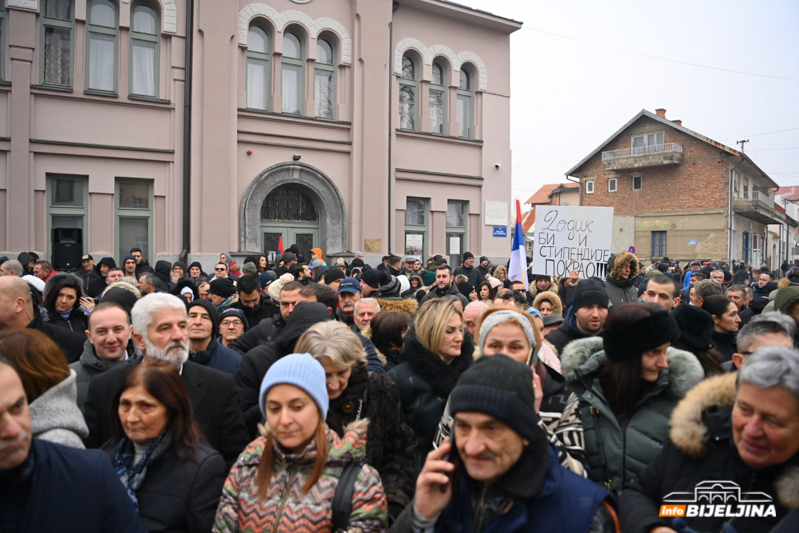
x=297 y=201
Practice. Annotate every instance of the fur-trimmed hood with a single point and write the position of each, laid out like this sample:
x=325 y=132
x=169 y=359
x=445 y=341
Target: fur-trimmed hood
x=689 y=432
x=351 y=446
x=409 y=305
x=584 y=357
x=617 y=262
x=552 y=296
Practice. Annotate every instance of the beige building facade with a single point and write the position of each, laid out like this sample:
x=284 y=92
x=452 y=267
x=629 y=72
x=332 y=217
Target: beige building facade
x=365 y=125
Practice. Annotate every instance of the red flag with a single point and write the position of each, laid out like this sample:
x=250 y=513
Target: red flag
x=280 y=245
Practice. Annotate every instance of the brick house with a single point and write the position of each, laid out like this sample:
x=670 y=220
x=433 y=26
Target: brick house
x=680 y=194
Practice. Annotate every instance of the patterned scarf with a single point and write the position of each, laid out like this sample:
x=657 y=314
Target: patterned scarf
x=132 y=475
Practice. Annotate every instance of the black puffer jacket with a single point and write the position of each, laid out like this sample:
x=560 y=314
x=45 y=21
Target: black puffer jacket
x=700 y=448
x=267 y=330
x=725 y=343
x=424 y=382
x=181 y=496
x=391 y=444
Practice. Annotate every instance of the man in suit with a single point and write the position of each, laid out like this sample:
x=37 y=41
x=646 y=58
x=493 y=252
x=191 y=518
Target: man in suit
x=160 y=332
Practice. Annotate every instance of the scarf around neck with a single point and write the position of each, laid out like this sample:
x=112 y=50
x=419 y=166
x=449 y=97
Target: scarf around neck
x=132 y=475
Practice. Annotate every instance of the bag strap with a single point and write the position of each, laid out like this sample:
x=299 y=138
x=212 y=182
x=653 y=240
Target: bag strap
x=342 y=501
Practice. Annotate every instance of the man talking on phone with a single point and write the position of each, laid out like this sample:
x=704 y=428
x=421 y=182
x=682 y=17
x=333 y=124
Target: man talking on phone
x=498 y=472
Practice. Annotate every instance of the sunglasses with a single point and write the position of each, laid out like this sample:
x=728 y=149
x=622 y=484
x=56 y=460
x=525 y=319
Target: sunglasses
x=520 y=291
x=219 y=269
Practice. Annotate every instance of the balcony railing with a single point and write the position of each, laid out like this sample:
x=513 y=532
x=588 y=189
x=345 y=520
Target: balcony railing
x=641 y=151
x=763 y=198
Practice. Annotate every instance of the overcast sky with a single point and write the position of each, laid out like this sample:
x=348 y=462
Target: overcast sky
x=567 y=97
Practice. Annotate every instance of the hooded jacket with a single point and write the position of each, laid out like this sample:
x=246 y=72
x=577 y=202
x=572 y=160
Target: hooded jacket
x=424 y=383
x=89 y=365
x=70 y=342
x=98 y=285
x=620 y=290
x=55 y=415
x=700 y=448
x=619 y=449
x=552 y=296
x=435 y=293
x=76 y=319
x=163 y=276
x=286 y=507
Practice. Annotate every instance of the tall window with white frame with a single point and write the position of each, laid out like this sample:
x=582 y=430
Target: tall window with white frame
x=324 y=79
x=102 y=46
x=291 y=73
x=457 y=220
x=58 y=25
x=408 y=92
x=144 y=50
x=465 y=104
x=67 y=206
x=438 y=99
x=258 y=68
x=134 y=205
x=416 y=227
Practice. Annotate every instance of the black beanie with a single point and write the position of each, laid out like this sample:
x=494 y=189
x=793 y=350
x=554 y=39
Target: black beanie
x=333 y=274
x=589 y=292
x=500 y=387
x=371 y=278
x=208 y=306
x=388 y=285
x=696 y=326
x=223 y=287
x=632 y=340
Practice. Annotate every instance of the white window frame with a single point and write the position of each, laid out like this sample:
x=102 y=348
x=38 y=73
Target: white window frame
x=589 y=187
x=645 y=136
x=640 y=183
x=615 y=184
x=97 y=30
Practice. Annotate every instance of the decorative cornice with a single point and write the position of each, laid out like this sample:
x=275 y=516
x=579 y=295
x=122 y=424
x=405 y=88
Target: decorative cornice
x=430 y=53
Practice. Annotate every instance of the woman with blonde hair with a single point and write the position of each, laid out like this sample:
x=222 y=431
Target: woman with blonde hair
x=501 y=273
x=505 y=331
x=286 y=479
x=436 y=352
x=355 y=394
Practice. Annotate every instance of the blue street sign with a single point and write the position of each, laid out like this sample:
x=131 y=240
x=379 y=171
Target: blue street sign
x=631 y=249
x=500 y=231
x=692 y=242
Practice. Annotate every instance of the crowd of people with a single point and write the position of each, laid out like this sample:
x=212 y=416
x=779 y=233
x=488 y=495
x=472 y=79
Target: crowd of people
x=407 y=397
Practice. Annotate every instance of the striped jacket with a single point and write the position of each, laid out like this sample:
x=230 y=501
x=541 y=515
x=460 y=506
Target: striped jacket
x=286 y=508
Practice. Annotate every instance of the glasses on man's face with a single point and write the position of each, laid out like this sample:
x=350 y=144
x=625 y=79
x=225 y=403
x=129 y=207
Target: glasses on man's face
x=219 y=269
x=520 y=291
x=232 y=323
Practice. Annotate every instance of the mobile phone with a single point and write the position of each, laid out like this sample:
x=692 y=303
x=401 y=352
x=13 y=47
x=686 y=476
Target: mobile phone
x=447 y=458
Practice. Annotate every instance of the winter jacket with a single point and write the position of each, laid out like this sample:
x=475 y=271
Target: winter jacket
x=552 y=297
x=86 y=279
x=287 y=508
x=622 y=291
x=566 y=332
x=181 y=496
x=474 y=275
x=88 y=366
x=700 y=448
x=390 y=443
x=55 y=415
x=410 y=306
x=725 y=343
x=266 y=331
x=74 y=321
x=424 y=382
x=619 y=449
x=536 y=494
x=218 y=357
x=255 y=316
x=70 y=342
x=434 y=292
x=63 y=489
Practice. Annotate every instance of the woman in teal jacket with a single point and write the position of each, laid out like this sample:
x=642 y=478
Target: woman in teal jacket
x=628 y=384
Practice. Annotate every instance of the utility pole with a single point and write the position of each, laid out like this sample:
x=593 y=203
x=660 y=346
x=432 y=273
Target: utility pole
x=742 y=144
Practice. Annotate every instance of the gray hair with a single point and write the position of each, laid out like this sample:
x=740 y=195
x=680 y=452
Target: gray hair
x=149 y=277
x=707 y=288
x=737 y=288
x=763 y=324
x=772 y=366
x=145 y=308
x=368 y=301
x=16 y=266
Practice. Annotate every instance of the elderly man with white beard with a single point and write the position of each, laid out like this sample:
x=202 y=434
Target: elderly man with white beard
x=160 y=332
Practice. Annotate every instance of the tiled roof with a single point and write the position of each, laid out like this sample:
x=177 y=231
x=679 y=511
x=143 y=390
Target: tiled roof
x=789 y=193
x=541 y=196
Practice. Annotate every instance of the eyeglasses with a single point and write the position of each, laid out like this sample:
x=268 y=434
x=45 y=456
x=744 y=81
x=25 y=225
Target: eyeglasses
x=219 y=269
x=232 y=323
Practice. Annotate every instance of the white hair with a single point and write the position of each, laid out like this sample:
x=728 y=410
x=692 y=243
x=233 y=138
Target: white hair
x=368 y=301
x=145 y=308
x=772 y=366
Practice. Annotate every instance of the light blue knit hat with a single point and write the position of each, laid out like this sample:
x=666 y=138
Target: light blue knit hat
x=300 y=370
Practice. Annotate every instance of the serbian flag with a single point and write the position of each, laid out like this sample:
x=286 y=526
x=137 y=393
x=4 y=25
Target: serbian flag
x=518 y=258
x=280 y=245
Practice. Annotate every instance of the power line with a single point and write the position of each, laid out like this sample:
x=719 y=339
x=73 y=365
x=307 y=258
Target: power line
x=659 y=57
x=776 y=149
x=764 y=133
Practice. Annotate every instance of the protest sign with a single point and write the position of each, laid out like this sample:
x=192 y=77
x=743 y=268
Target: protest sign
x=572 y=238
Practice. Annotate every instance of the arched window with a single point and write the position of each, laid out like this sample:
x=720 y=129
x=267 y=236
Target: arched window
x=102 y=46
x=291 y=73
x=258 y=68
x=324 y=80
x=144 y=50
x=58 y=23
x=465 y=104
x=407 y=94
x=438 y=99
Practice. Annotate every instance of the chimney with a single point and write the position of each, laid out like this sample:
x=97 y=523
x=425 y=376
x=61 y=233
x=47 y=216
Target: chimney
x=660 y=112
x=678 y=122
